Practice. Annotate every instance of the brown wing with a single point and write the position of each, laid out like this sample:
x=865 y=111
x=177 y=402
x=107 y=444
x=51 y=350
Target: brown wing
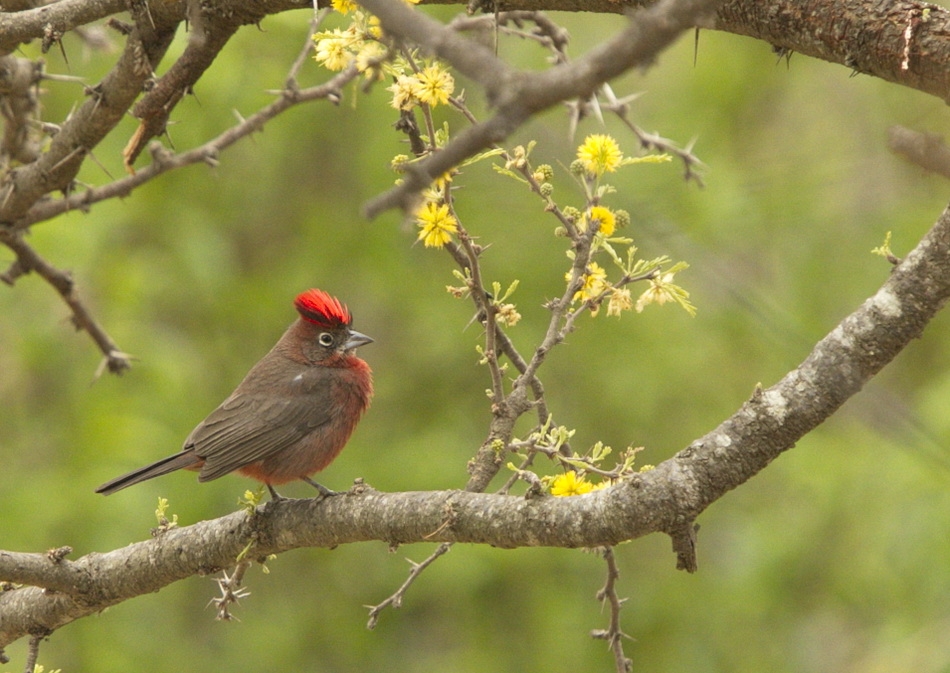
x=250 y=426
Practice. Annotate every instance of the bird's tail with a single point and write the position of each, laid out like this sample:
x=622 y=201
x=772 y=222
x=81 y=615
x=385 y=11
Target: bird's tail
x=179 y=461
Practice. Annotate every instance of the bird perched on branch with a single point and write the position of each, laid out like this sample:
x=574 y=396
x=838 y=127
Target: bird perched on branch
x=291 y=415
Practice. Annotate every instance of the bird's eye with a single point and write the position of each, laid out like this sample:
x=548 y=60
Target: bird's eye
x=325 y=339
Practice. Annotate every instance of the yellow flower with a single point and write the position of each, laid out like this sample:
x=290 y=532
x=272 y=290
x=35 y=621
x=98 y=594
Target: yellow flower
x=619 y=302
x=662 y=290
x=595 y=282
x=600 y=154
x=508 y=315
x=435 y=85
x=608 y=223
x=370 y=54
x=332 y=49
x=657 y=293
x=570 y=484
x=437 y=225
x=405 y=92
x=374 y=27
x=344 y=6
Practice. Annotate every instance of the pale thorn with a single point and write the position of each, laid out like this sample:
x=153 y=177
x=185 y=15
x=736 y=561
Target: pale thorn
x=595 y=105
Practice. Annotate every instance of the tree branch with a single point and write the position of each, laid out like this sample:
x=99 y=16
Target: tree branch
x=904 y=42
x=19 y=27
x=164 y=160
x=927 y=150
x=29 y=260
x=517 y=96
x=664 y=499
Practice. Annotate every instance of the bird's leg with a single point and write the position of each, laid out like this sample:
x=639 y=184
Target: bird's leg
x=274 y=495
x=324 y=491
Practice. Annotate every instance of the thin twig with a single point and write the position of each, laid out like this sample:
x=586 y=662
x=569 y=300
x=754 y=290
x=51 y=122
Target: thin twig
x=231 y=591
x=613 y=634
x=395 y=600
x=46 y=210
x=291 y=81
x=29 y=260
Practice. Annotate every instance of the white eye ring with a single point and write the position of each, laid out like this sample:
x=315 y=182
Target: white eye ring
x=325 y=339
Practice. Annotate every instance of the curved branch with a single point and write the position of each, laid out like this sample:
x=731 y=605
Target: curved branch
x=666 y=499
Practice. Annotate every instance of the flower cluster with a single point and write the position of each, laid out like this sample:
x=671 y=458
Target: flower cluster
x=432 y=85
x=361 y=43
x=357 y=43
x=574 y=480
x=598 y=155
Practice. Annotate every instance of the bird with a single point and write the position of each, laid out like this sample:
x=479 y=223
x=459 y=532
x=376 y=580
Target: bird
x=290 y=416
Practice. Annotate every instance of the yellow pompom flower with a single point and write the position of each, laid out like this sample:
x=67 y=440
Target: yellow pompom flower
x=595 y=282
x=435 y=85
x=369 y=57
x=619 y=302
x=599 y=154
x=333 y=49
x=570 y=484
x=436 y=224
x=606 y=219
x=508 y=315
x=405 y=92
x=344 y=6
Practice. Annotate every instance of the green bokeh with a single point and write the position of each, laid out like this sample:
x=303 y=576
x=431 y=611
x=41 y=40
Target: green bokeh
x=831 y=560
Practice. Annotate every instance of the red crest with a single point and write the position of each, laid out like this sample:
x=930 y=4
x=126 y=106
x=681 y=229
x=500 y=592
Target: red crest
x=318 y=307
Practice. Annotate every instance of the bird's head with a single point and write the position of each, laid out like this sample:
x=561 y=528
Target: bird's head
x=328 y=321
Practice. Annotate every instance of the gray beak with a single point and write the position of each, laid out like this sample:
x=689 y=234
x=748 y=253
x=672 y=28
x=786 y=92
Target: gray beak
x=356 y=340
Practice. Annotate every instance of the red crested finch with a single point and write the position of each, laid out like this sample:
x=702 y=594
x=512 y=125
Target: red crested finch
x=291 y=415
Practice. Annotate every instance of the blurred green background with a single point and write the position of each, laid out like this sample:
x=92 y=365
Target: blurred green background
x=833 y=559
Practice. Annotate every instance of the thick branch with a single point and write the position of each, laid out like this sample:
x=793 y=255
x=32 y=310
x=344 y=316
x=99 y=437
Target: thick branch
x=901 y=42
x=19 y=27
x=868 y=36
x=666 y=499
x=56 y=168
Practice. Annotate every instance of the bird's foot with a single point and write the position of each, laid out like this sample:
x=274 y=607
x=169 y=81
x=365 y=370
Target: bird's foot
x=324 y=491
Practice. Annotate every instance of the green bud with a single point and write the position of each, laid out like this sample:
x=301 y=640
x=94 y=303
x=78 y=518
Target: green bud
x=544 y=173
x=572 y=213
x=622 y=217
